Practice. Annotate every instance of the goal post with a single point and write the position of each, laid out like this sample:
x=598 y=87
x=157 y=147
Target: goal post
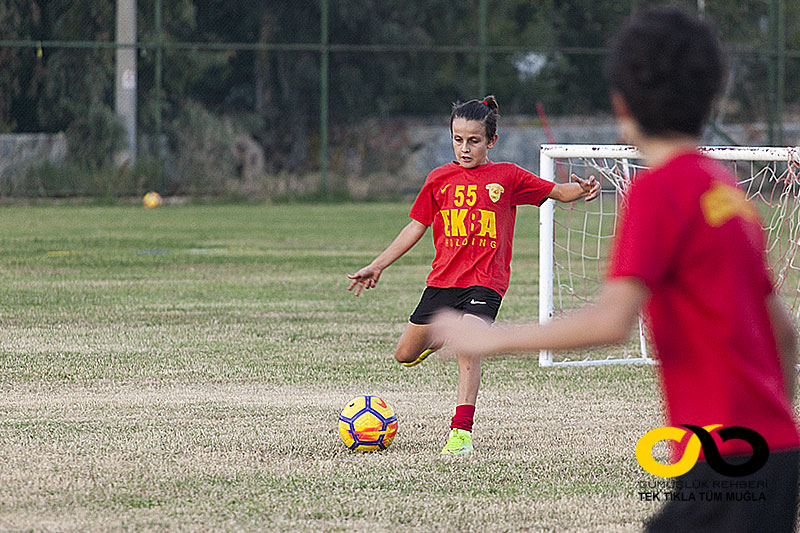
x=574 y=238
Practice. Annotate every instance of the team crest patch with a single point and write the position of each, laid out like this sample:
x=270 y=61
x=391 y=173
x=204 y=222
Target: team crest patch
x=495 y=190
x=724 y=202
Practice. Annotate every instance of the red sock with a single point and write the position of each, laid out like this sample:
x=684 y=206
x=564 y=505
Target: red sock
x=463 y=417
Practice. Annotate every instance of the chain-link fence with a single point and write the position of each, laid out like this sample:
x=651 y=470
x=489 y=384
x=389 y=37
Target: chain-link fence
x=280 y=98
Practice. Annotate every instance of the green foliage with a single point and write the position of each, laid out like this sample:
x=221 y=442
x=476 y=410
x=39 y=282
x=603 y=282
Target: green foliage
x=203 y=145
x=107 y=182
x=76 y=82
x=20 y=69
x=277 y=92
x=94 y=137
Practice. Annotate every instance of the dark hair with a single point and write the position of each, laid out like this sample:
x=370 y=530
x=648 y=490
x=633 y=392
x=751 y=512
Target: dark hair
x=481 y=110
x=668 y=66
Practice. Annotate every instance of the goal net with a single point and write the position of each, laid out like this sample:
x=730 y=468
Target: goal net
x=574 y=239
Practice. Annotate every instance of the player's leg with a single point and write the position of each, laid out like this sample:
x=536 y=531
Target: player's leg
x=479 y=304
x=459 y=441
x=413 y=343
x=469 y=373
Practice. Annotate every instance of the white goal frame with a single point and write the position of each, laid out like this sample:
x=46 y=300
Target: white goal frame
x=548 y=155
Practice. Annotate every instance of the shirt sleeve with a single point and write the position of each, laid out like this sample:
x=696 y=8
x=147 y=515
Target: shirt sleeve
x=424 y=208
x=647 y=238
x=530 y=188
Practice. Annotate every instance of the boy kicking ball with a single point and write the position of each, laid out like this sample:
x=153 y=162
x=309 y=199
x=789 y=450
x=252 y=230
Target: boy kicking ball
x=689 y=250
x=471 y=205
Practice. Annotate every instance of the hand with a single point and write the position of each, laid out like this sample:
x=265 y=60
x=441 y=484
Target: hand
x=366 y=278
x=591 y=187
x=471 y=337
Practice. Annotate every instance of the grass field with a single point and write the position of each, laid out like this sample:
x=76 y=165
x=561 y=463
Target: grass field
x=183 y=368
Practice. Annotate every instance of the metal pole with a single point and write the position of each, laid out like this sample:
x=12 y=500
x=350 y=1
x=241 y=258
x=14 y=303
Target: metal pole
x=158 y=82
x=546 y=225
x=781 y=74
x=323 y=100
x=771 y=73
x=482 y=40
x=125 y=83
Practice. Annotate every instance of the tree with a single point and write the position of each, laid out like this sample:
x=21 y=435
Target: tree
x=21 y=70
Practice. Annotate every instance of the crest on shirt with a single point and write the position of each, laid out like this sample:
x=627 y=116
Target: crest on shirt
x=495 y=190
x=724 y=202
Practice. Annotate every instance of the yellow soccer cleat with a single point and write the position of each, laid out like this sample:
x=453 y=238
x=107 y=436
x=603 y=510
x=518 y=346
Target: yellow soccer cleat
x=419 y=359
x=459 y=442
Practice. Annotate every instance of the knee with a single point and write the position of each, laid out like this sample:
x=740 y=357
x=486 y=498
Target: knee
x=403 y=355
x=470 y=363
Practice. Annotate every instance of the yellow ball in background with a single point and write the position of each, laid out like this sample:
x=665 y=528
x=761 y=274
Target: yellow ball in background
x=152 y=200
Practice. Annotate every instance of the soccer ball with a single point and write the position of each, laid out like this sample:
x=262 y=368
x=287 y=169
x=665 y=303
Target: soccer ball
x=151 y=200
x=367 y=423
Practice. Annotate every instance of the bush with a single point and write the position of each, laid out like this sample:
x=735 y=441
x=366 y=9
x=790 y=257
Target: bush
x=203 y=148
x=94 y=138
x=68 y=180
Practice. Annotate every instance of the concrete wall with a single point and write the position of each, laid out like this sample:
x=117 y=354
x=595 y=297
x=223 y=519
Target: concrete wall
x=21 y=151
x=520 y=144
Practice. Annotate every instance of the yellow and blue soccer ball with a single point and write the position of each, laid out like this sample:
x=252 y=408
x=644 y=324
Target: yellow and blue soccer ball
x=367 y=423
x=151 y=200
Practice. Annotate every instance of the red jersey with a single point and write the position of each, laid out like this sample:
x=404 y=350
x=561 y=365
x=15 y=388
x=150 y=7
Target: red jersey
x=688 y=233
x=472 y=212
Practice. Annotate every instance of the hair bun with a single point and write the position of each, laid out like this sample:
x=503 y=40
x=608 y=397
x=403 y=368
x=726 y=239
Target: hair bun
x=491 y=102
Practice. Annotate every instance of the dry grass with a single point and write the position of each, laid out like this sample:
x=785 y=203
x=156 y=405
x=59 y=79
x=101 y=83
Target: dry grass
x=260 y=457
x=199 y=391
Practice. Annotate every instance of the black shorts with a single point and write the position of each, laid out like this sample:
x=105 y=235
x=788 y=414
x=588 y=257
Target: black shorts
x=479 y=301
x=763 y=501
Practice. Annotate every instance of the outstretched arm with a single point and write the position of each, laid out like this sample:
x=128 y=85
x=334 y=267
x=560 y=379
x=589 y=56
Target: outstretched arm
x=608 y=321
x=569 y=192
x=367 y=277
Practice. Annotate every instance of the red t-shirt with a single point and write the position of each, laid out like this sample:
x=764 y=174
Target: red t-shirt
x=472 y=212
x=690 y=236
